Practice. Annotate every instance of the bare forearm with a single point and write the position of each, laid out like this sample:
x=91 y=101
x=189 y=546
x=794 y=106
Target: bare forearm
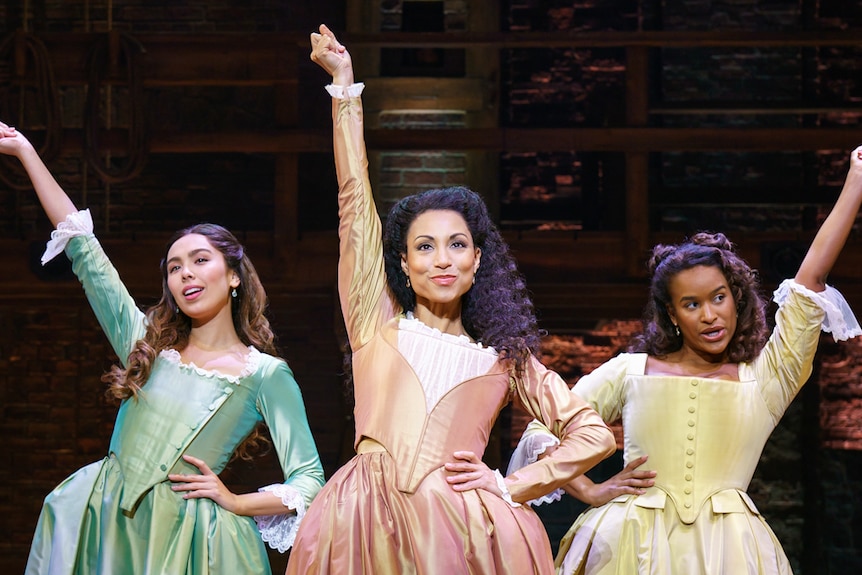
x=260 y=503
x=54 y=200
x=579 y=488
x=832 y=235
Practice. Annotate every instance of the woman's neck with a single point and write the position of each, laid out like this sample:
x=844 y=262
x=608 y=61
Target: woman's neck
x=445 y=322
x=214 y=336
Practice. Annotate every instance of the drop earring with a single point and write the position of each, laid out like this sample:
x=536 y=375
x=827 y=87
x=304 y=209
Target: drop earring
x=408 y=281
x=676 y=330
x=233 y=293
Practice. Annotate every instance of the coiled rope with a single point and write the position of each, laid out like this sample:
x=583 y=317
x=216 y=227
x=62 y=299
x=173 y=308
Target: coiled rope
x=104 y=71
x=28 y=100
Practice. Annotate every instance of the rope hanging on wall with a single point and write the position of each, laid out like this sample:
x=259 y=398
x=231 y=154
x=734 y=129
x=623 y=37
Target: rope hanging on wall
x=29 y=101
x=115 y=52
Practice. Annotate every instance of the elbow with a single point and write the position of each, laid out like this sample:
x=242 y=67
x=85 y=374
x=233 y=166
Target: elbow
x=604 y=441
x=610 y=443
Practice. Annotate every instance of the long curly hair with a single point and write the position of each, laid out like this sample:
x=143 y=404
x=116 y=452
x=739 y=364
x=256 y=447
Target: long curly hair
x=703 y=249
x=497 y=310
x=169 y=328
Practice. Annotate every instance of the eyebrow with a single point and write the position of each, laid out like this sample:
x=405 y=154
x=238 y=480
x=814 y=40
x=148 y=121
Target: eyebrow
x=428 y=237
x=191 y=254
x=718 y=289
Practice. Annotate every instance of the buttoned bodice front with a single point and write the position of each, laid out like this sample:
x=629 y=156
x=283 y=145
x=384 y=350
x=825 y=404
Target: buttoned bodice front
x=704 y=436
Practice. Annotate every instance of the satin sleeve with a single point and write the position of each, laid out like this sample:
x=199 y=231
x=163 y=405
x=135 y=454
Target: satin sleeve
x=602 y=388
x=585 y=440
x=787 y=359
x=362 y=291
x=118 y=314
x=281 y=405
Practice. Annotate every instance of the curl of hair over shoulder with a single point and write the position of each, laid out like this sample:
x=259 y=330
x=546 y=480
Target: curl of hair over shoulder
x=497 y=310
x=703 y=249
x=168 y=328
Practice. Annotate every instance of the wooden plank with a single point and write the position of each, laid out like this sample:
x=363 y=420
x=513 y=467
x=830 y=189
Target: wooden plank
x=261 y=59
x=197 y=59
x=607 y=39
x=496 y=139
x=424 y=93
x=637 y=163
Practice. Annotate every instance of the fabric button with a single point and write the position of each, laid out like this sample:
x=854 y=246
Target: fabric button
x=228 y=391
x=691 y=409
x=691 y=423
x=694 y=383
x=211 y=406
x=688 y=476
x=687 y=505
x=687 y=490
x=163 y=467
x=689 y=451
x=690 y=436
x=692 y=395
x=689 y=464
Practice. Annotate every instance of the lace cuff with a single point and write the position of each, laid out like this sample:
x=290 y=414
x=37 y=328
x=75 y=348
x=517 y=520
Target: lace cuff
x=501 y=483
x=76 y=224
x=345 y=92
x=528 y=450
x=839 y=319
x=279 y=531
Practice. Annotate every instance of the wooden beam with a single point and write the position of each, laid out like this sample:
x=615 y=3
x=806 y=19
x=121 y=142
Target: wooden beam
x=605 y=39
x=637 y=163
x=495 y=139
x=190 y=59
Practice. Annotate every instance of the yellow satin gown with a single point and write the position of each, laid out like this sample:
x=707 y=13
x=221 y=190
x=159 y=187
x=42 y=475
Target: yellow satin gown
x=704 y=438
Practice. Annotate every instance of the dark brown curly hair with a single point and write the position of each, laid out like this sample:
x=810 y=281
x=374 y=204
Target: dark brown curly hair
x=497 y=310
x=168 y=328
x=703 y=249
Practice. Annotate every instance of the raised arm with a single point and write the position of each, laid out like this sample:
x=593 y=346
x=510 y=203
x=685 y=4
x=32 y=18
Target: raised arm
x=365 y=302
x=832 y=235
x=54 y=200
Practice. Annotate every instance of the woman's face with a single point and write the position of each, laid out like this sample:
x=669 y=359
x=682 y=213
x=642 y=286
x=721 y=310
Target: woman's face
x=441 y=259
x=703 y=308
x=199 y=278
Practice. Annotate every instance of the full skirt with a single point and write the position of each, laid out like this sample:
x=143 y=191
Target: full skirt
x=621 y=537
x=361 y=523
x=83 y=531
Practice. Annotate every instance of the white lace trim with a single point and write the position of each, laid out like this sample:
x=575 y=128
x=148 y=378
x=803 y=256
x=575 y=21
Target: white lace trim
x=252 y=361
x=76 y=224
x=279 y=531
x=528 y=450
x=501 y=483
x=428 y=349
x=839 y=319
x=345 y=92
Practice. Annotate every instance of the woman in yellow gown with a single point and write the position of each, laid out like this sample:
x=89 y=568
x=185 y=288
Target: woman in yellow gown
x=442 y=334
x=699 y=393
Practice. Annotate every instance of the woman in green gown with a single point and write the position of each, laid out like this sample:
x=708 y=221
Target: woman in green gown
x=198 y=374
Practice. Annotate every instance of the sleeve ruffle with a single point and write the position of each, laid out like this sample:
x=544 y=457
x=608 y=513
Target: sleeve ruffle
x=76 y=224
x=838 y=320
x=501 y=484
x=531 y=445
x=279 y=531
x=345 y=92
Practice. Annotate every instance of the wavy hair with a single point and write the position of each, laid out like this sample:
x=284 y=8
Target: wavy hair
x=703 y=249
x=497 y=310
x=168 y=327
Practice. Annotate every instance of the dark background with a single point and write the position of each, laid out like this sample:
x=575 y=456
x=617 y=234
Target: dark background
x=593 y=130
